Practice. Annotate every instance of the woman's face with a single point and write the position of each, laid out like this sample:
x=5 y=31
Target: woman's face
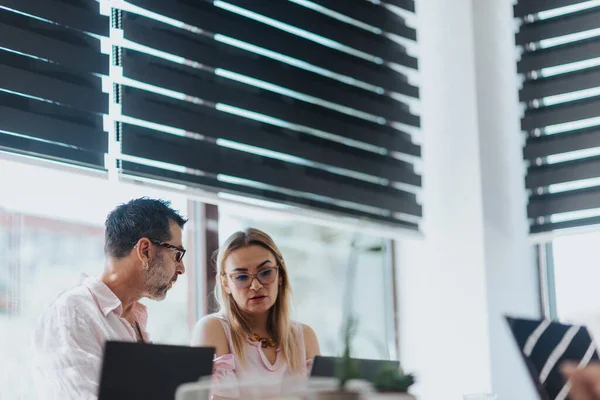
x=252 y=278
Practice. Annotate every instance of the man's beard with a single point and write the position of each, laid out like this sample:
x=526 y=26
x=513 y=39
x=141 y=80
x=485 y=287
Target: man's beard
x=157 y=280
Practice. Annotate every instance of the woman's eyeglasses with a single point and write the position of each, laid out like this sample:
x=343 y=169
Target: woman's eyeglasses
x=243 y=280
x=180 y=250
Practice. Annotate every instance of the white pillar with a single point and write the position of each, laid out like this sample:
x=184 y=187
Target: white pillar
x=474 y=263
x=511 y=267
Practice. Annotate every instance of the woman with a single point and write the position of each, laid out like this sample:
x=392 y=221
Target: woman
x=252 y=333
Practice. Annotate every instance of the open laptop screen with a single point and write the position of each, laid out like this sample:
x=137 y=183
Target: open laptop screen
x=150 y=371
x=325 y=367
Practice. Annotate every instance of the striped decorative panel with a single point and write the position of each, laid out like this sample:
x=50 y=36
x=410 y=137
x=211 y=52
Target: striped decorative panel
x=545 y=346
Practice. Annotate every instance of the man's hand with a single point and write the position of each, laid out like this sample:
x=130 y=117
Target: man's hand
x=585 y=382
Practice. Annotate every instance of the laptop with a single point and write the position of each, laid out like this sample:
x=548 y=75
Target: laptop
x=325 y=367
x=545 y=345
x=150 y=371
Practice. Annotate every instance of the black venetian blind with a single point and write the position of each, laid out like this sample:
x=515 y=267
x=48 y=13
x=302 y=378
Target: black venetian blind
x=307 y=103
x=300 y=102
x=51 y=99
x=560 y=64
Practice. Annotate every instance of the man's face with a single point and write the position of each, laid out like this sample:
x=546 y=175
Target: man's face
x=163 y=267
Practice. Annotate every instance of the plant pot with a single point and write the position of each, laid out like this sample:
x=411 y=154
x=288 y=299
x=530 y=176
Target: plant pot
x=337 y=395
x=392 y=396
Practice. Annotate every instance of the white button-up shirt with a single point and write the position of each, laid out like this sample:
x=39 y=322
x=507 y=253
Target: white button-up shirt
x=68 y=341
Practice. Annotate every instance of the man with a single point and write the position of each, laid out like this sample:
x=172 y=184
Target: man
x=144 y=252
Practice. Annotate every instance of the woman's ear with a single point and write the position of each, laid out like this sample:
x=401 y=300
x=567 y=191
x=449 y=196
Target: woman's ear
x=225 y=284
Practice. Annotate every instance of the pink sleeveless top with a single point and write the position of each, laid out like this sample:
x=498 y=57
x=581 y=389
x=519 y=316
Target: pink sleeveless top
x=228 y=370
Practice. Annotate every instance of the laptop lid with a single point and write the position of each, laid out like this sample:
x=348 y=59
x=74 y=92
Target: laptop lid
x=150 y=371
x=325 y=367
x=545 y=345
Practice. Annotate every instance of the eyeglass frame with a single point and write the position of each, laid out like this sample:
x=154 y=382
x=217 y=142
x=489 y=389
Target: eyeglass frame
x=252 y=276
x=170 y=246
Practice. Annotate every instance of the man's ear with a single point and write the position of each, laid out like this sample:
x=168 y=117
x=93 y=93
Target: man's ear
x=142 y=250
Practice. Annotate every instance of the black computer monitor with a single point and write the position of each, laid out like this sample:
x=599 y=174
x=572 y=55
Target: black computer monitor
x=150 y=371
x=325 y=367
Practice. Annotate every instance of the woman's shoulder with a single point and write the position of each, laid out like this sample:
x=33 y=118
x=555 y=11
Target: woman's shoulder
x=311 y=342
x=213 y=318
x=210 y=331
x=211 y=322
x=305 y=329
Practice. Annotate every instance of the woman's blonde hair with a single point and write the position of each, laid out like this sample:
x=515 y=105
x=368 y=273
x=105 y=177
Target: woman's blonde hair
x=279 y=321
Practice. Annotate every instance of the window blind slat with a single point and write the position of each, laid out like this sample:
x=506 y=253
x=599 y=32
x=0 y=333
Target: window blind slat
x=329 y=28
x=81 y=14
x=209 y=157
x=560 y=84
x=546 y=145
x=555 y=226
x=371 y=14
x=214 y=20
x=555 y=56
x=51 y=151
x=561 y=26
x=181 y=114
x=215 y=124
x=561 y=113
x=569 y=171
x=51 y=122
x=408 y=5
x=528 y=7
x=206 y=85
x=213 y=54
x=210 y=183
x=49 y=129
x=51 y=42
x=558 y=203
x=52 y=82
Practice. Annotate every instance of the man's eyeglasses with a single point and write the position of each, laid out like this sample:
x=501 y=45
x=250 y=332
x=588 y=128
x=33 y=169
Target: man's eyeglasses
x=180 y=250
x=243 y=280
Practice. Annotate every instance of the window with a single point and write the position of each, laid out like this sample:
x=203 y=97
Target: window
x=560 y=43
x=576 y=267
x=185 y=79
x=51 y=231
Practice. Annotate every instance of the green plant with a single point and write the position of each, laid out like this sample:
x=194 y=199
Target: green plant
x=393 y=379
x=347 y=368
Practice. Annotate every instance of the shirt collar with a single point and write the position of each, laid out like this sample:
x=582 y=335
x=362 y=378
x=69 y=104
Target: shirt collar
x=107 y=301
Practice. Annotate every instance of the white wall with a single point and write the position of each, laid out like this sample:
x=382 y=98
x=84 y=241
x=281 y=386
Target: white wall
x=442 y=297
x=474 y=264
x=512 y=280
